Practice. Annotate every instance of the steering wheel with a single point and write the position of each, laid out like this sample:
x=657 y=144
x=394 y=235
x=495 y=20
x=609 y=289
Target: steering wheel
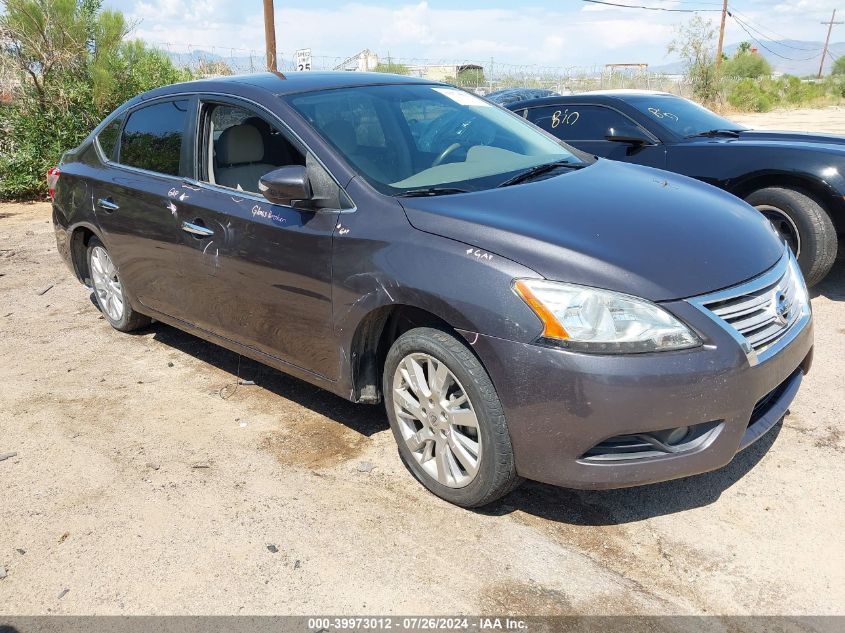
x=445 y=153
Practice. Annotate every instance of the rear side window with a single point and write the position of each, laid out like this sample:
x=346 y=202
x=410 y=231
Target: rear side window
x=577 y=123
x=152 y=137
x=108 y=138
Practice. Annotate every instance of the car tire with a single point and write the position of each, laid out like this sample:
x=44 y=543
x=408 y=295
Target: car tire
x=466 y=394
x=795 y=210
x=109 y=292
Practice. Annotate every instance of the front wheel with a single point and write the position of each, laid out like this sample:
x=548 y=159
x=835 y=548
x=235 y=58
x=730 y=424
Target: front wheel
x=803 y=224
x=447 y=419
x=109 y=292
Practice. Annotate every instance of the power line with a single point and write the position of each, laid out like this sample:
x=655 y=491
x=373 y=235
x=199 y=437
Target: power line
x=645 y=8
x=742 y=25
x=760 y=28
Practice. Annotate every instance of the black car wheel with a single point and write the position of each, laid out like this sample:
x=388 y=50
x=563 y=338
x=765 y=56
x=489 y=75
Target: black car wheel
x=447 y=419
x=804 y=225
x=109 y=292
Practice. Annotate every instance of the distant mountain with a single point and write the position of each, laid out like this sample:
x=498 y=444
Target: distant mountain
x=795 y=57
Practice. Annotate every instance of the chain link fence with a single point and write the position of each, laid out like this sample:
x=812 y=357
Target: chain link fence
x=481 y=76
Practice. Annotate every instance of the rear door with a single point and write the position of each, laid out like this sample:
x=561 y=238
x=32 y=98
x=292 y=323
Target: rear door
x=145 y=157
x=259 y=273
x=585 y=127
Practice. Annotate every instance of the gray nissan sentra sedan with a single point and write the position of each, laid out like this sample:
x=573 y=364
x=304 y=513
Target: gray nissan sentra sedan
x=523 y=309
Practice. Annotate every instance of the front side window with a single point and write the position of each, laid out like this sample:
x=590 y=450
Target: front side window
x=577 y=122
x=409 y=137
x=152 y=137
x=240 y=147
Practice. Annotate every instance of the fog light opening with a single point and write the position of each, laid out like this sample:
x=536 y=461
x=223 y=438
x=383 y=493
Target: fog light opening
x=672 y=437
x=651 y=444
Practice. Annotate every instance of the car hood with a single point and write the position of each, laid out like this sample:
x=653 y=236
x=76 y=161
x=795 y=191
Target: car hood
x=794 y=140
x=611 y=225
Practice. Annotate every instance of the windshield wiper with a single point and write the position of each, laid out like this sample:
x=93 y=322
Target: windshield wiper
x=538 y=170
x=734 y=133
x=430 y=191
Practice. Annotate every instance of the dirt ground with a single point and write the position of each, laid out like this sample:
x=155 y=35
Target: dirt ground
x=138 y=489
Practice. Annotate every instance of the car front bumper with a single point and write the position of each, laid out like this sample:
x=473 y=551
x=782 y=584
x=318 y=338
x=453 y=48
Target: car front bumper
x=561 y=405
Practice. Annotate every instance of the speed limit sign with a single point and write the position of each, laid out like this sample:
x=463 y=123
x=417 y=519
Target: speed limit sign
x=303 y=59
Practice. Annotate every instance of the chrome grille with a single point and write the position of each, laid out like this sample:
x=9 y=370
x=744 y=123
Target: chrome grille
x=761 y=312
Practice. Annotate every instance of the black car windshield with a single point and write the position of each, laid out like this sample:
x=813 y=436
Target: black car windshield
x=413 y=137
x=681 y=116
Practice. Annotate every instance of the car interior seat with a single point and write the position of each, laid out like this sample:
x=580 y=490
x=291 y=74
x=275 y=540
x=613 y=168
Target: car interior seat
x=240 y=158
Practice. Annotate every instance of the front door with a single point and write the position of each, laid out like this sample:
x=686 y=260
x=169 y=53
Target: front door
x=259 y=274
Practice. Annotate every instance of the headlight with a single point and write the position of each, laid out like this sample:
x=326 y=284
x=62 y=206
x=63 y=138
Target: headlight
x=593 y=320
x=802 y=295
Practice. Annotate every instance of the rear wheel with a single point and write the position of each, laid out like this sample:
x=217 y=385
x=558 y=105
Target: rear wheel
x=447 y=419
x=109 y=292
x=803 y=224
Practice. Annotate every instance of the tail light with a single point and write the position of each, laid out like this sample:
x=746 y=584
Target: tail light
x=52 y=179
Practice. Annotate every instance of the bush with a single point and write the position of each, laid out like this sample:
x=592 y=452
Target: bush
x=747 y=65
x=392 y=67
x=750 y=96
x=761 y=95
x=81 y=68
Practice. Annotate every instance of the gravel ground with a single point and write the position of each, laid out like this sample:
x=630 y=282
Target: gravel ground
x=138 y=489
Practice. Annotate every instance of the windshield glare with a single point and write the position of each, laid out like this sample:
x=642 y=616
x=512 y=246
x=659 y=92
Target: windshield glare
x=682 y=117
x=408 y=137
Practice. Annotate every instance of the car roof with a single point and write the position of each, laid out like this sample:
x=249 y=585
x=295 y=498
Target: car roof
x=289 y=83
x=597 y=96
x=628 y=92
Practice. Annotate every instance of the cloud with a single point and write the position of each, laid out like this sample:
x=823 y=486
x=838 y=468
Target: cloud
x=544 y=33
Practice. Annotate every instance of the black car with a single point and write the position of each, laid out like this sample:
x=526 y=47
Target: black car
x=512 y=95
x=796 y=180
x=521 y=308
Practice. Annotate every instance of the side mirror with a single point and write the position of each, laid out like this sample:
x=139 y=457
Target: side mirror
x=628 y=134
x=286 y=185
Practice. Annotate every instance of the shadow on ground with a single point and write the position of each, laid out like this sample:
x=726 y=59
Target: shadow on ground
x=627 y=505
x=833 y=286
x=363 y=419
x=576 y=507
x=549 y=502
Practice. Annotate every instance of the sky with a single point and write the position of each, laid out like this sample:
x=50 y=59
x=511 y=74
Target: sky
x=564 y=33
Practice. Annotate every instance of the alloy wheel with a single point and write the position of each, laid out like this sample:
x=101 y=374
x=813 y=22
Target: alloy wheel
x=106 y=283
x=437 y=420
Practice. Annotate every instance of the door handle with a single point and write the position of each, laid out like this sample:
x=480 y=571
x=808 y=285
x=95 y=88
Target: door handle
x=107 y=204
x=197 y=229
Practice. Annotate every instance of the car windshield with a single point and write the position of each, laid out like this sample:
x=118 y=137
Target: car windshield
x=427 y=137
x=681 y=116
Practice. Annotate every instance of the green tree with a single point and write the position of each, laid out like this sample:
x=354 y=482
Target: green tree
x=392 y=67
x=75 y=65
x=468 y=77
x=747 y=64
x=694 y=42
x=839 y=66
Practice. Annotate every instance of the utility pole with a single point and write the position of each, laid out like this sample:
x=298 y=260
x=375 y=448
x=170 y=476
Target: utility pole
x=827 y=40
x=722 y=34
x=270 y=35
